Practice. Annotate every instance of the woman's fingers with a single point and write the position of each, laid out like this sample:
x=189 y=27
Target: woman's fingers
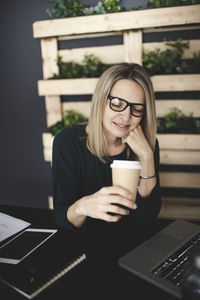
x=117 y=210
x=116 y=190
x=110 y=218
x=122 y=201
x=114 y=213
x=118 y=195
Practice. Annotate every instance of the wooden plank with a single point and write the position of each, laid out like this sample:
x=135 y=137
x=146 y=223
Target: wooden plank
x=47 y=155
x=188 y=161
x=186 y=106
x=171 y=83
x=194 y=46
x=181 y=200
x=107 y=54
x=80 y=107
x=49 y=57
x=118 y=21
x=179 y=141
x=83 y=86
x=180 y=212
x=133 y=46
x=50 y=202
x=179 y=180
x=172 y=28
x=49 y=64
x=47 y=140
x=166 y=156
x=183 y=141
x=53 y=109
x=172 y=157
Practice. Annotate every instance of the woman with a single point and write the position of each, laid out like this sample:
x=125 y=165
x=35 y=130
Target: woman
x=122 y=125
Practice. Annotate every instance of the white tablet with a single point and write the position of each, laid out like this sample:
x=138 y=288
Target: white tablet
x=23 y=244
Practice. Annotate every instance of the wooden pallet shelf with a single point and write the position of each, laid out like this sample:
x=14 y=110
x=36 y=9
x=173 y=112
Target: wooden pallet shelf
x=148 y=18
x=175 y=149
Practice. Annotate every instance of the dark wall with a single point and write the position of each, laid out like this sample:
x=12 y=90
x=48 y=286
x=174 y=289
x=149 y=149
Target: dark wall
x=25 y=178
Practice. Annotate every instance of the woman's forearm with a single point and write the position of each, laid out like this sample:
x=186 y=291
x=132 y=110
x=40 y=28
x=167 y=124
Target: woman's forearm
x=74 y=215
x=148 y=170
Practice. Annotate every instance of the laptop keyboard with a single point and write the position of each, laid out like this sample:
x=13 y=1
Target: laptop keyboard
x=173 y=267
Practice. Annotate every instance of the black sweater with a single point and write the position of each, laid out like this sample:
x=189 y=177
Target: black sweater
x=77 y=173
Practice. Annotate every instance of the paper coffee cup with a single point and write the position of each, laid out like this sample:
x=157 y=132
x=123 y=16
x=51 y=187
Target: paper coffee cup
x=126 y=173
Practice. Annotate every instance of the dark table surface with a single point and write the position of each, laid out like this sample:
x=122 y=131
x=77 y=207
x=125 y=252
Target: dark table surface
x=100 y=276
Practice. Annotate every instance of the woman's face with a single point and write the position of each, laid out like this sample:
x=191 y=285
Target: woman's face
x=119 y=124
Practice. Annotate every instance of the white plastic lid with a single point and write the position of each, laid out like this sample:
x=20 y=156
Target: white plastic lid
x=126 y=164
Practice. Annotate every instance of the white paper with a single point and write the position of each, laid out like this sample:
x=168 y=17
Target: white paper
x=10 y=225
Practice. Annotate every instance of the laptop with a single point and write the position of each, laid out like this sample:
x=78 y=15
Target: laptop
x=161 y=259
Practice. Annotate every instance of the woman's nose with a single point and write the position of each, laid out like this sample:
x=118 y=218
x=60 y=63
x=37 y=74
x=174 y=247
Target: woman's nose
x=126 y=113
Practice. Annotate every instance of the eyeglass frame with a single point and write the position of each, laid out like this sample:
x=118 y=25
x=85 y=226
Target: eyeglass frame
x=127 y=104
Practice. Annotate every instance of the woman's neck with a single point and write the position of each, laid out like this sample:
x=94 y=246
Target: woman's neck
x=115 y=147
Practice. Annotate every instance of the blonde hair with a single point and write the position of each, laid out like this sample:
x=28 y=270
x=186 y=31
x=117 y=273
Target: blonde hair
x=96 y=140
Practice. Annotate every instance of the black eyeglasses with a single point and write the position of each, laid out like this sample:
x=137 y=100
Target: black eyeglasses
x=118 y=104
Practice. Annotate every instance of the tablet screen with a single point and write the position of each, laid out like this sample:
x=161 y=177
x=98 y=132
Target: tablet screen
x=23 y=244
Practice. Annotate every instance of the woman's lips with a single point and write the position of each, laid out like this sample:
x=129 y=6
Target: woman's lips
x=121 y=126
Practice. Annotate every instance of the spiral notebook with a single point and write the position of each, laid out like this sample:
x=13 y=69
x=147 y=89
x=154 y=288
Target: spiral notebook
x=41 y=269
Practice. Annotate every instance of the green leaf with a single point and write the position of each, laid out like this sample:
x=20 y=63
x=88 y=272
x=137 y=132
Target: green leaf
x=91 y=67
x=71 y=118
x=177 y=122
x=170 y=60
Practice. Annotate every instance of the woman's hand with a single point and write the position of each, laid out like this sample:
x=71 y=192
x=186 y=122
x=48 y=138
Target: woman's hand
x=101 y=203
x=138 y=143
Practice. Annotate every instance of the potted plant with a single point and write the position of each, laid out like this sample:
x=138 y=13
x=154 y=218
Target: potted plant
x=71 y=118
x=177 y=122
x=74 y=8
